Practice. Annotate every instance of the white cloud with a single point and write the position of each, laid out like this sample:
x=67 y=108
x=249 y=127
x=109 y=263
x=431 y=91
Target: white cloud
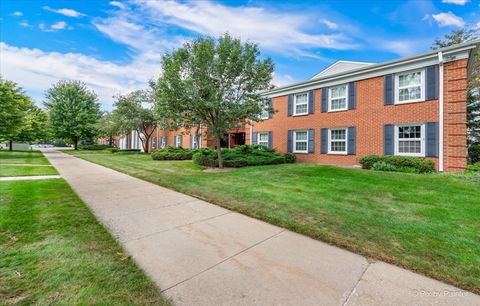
x=59 y=25
x=24 y=24
x=448 y=19
x=64 y=11
x=117 y=4
x=402 y=47
x=106 y=78
x=280 y=32
x=330 y=24
x=458 y=2
x=477 y=26
x=17 y=14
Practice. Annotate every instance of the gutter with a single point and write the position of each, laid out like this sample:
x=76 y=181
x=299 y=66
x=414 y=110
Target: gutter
x=440 y=113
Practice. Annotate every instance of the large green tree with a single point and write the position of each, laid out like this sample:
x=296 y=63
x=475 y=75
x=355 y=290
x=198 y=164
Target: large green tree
x=214 y=83
x=74 y=111
x=473 y=89
x=136 y=111
x=36 y=125
x=14 y=105
x=108 y=127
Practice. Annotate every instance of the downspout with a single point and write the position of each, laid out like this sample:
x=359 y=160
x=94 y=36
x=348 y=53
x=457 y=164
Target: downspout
x=440 y=115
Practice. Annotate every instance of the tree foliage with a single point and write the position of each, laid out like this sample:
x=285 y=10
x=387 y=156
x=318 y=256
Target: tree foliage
x=74 y=110
x=136 y=111
x=213 y=83
x=108 y=127
x=473 y=90
x=36 y=125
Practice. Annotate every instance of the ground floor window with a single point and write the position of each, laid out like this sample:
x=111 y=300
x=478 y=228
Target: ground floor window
x=195 y=142
x=410 y=140
x=163 y=142
x=178 y=141
x=154 y=142
x=337 y=141
x=300 y=140
x=263 y=139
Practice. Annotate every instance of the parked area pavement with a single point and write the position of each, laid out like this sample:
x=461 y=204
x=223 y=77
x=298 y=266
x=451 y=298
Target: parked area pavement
x=26 y=178
x=201 y=254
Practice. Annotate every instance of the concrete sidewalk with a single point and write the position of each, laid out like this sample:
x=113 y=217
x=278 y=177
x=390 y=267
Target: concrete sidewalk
x=202 y=254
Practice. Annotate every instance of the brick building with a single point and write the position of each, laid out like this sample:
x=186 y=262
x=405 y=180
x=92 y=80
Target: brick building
x=413 y=106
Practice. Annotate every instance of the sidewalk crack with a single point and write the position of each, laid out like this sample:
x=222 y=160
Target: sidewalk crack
x=356 y=285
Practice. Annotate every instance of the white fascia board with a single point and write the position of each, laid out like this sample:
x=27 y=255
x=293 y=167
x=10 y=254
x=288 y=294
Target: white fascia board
x=409 y=63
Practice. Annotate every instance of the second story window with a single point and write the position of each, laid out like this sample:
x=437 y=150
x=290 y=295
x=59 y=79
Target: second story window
x=265 y=114
x=337 y=98
x=301 y=104
x=409 y=87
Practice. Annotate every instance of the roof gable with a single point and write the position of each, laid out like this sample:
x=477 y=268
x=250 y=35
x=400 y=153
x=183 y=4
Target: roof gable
x=340 y=66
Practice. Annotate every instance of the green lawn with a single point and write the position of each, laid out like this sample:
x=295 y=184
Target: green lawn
x=53 y=251
x=22 y=157
x=426 y=223
x=11 y=170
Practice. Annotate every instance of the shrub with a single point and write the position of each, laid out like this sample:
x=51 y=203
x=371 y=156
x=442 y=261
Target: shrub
x=124 y=151
x=290 y=158
x=241 y=156
x=383 y=166
x=95 y=147
x=401 y=163
x=474 y=153
x=474 y=168
x=173 y=153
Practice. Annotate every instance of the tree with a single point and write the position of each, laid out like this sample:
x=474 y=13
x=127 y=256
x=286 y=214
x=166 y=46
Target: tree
x=215 y=84
x=74 y=110
x=108 y=127
x=36 y=126
x=473 y=89
x=14 y=105
x=135 y=111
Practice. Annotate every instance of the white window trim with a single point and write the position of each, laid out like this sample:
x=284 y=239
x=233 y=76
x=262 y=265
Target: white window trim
x=195 y=142
x=330 y=142
x=263 y=133
x=422 y=139
x=178 y=143
x=295 y=103
x=295 y=142
x=163 y=142
x=330 y=98
x=422 y=86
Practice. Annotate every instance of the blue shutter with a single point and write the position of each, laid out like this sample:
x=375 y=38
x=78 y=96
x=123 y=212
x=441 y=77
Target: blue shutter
x=352 y=95
x=254 y=138
x=388 y=139
x=431 y=80
x=352 y=143
x=270 y=140
x=311 y=140
x=290 y=141
x=191 y=142
x=311 y=102
x=389 y=91
x=270 y=104
x=431 y=139
x=290 y=105
x=324 y=141
x=324 y=99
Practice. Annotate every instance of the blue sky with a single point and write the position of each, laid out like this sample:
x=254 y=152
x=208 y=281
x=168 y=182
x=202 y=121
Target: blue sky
x=116 y=46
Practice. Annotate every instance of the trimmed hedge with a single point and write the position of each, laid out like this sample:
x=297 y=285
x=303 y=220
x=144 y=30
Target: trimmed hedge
x=173 y=153
x=242 y=156
x=397 y=163
x=120 y=151
x=96 y=147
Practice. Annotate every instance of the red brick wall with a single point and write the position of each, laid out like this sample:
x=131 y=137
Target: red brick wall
x=371 y=115
x=455 y=115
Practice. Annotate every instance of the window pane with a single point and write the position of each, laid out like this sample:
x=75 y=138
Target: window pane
x=338 y=134
x=301 y=146
x=301 y=135
x=300 y=109
x=410 y=79
x=408 y=132
x=338 y=146
x=338 y=92
x=302 y=98
x=263 y=137
x=410 y=146
x=338 y=103
x=411 y=93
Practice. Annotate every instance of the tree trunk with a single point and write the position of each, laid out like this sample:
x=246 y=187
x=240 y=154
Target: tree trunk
x=145 y=144
x=219 y=153
x=10 y=145
x=75 y=142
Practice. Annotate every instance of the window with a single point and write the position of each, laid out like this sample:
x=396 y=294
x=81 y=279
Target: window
x=154 y=142
x=263 y=139
x=301 y=104
x=163 y=143
x=410 y=140
x=265 y=114
x=337 y=141
x=409 y=87
x=337 y=98
x=300 y=139
x=195 y=142
x=178 y=141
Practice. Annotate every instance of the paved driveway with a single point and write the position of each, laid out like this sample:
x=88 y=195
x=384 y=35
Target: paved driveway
x=202 y=254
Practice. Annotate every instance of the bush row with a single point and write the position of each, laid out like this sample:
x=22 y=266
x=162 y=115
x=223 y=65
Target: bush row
x=173 y=153
x=95 y=147
x=241 y=156
x=397 y=163
x=115 y=150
